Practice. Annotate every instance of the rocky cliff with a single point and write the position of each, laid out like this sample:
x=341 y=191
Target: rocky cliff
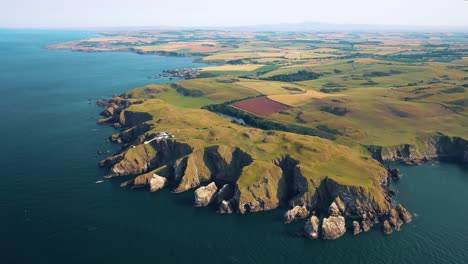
x=433 y=147
x=251 y=170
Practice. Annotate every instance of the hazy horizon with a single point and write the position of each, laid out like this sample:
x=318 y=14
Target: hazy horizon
x=241 y=13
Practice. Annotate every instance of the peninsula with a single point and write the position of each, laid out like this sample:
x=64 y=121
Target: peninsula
x=294 y=121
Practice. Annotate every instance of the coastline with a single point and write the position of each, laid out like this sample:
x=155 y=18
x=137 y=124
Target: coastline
x=389 y=219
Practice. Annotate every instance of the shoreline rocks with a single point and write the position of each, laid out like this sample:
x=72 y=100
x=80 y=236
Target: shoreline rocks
x=356 y=228
x=311 y=227
x=386 y=228
x=225 y=207
x=157 y=182
x=297 y=212
x=205 y=195
x=333 y=227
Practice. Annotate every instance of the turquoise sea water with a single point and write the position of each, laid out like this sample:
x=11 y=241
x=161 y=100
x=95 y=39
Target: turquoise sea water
x=53 y=212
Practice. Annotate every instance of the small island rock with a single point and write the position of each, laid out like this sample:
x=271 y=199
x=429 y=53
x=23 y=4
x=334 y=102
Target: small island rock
x=333 y=210
x=298 y=212
x=387 y=229
x=333 y=227
x=225 y=207
x=356 y=228
x=311 y=227
x=205 y=194
x=404 y=214
x=225 y=193
x=157 y=182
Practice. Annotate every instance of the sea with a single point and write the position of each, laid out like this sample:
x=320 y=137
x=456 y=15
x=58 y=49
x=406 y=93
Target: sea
x=52 y=210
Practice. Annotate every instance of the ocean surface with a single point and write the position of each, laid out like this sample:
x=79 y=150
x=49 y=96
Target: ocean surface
x=52 y=211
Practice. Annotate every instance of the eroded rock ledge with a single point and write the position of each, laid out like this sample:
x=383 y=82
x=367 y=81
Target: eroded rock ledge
x=294 y=173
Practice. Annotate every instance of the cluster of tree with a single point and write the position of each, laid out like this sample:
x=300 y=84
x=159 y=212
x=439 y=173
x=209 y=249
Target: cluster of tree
x=263 y=123
x=336 y=110
x=432 y=54
x=381 y=74
x=454 y=90
x=301 y=75
x=328 y=129
x=187 y=92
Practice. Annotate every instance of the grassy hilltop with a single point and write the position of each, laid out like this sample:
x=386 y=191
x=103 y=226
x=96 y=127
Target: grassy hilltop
x=314 y=113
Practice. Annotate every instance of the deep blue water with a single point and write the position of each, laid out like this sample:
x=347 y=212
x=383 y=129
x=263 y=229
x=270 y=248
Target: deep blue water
x=53 y=212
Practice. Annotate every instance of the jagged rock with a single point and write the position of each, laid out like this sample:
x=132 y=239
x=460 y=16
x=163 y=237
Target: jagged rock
x=225 y=193
x=114 y=137
x=102 y=103
x=394 y=219
x=311 y=227
x=225 y=207
x=333 y=210
x=341 y=205
x=356 y=228
x=205 y=194
x=333 y=227
x=298 y=212
x=386 y=228
x=394 y=173
x=366 y=225
x=157 y=182
x=111 y=110
x=104 y=120
x=403 y=213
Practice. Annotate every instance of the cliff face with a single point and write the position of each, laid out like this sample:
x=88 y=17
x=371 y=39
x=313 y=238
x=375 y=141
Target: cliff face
x=437 y=146
x=262 y=169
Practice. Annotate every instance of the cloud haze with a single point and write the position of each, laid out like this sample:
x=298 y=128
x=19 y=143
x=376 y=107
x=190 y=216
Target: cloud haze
x=119 y=13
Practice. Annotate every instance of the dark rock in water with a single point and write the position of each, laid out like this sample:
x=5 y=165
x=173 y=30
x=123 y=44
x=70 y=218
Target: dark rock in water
x=394 y=173
x=225 y=207
x=102 y=152
x=403 y=213
x=298 y=212
x=102 y=103
x=356 y=228
x=311 y=227
x=386 y=228
x=116 y=125
x=394 y=219
x=104 y=120
x=225 y=193
x=366 y=225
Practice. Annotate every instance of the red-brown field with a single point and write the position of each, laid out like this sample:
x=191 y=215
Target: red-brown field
x=261 y=106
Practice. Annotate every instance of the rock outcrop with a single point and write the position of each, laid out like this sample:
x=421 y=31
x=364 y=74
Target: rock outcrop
x=224 y=194
x=395 y=218
x=387 y=228
x=157 y=182
x=403 y=213
x=297 y=212
x=432 y=147
x=333 y=210
x=366 y=224
x=333 y=227
x=356 y=228
x=311 y=227
x=225 y=207
x=205 y=195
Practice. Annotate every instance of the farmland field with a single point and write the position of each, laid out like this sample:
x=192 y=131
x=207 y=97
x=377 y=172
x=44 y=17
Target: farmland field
x=261 y=106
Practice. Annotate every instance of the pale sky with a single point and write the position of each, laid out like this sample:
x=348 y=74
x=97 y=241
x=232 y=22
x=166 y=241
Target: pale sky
x=120 y=13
